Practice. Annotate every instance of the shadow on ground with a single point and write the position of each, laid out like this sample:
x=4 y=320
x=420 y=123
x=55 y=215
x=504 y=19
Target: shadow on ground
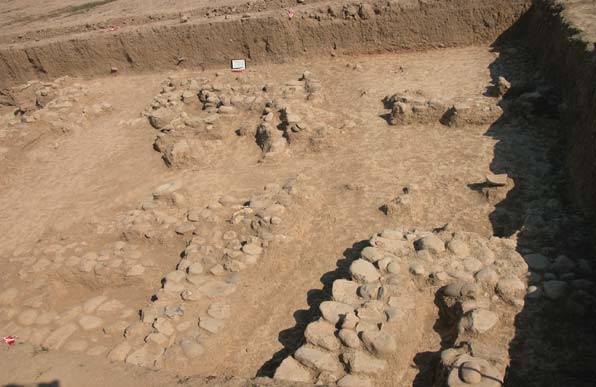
x=555 y=341
x=54 y=383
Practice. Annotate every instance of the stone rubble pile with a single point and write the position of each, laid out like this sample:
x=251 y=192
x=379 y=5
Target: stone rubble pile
x=195 y=118
x=413 y=108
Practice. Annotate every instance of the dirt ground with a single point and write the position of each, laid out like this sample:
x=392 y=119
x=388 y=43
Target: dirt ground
x=70 y=180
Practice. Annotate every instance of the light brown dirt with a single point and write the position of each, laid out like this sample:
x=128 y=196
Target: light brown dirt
x=73 y=178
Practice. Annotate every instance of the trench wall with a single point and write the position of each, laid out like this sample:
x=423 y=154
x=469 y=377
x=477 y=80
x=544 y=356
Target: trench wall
x=562 y=34
x=320 y=29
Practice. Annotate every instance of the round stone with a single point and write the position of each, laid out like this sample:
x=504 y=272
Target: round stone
x=195 y=269
x=470 y=372
x=252 y=249
x=372 y=254
x=417 y=268
x=191 y=348
x=364 y=271
x=393 y=268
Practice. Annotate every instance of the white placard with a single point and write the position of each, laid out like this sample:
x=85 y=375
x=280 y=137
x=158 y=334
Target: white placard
x=238 y=65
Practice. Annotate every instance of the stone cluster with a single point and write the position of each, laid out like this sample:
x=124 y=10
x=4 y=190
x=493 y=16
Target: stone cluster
x=480 y=281
x=196 y=118
x=189 y=309
x=413 y=108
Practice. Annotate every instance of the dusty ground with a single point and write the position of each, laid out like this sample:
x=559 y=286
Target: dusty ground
x=69 y=181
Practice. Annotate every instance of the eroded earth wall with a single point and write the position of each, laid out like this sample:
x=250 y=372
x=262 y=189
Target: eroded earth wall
x=272 y=36
x=563 y=35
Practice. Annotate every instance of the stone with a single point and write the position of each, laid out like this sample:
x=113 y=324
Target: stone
x=496 y=180
x=393 y=268
x=135 y=270
x=252 y=249
x=350 y=338
x=379 y=343
x=487 y=276
x=382 y=264
x=417 y=269
x=146 y=356
x=354 y=381
x=350 y=321
x=210 y=324
x=166 y=190
x=554 y=289
x=470 y=372
x=219 y=311
x=191 y=347
x=369 y=291
x=46 y=318
x=563 y=265
x=431 y=243
x=392 y=234
x=334 y=311
x=86 y=266
x=161 y=118
x=110 y=306
x=371 y=314
x=472 y=264
x=135 y=330
x=360 y=363
x=195 y=269
x=148 y=315
x=8 y=296
x=174 y=312
x=217 y=270
x=372 y=254
x=459 y=248
x=216 y=289
x=345 y=291
x=364 y=271
x=318 y=359
x=478 y=321
x=292 y=371
x=27 y=317
x=537 y=262
x=189 y=295
x=90 y=322
x=185 y=228
x=92 y=304
x=119 y=352
x=76 y=346
x=57 y=338
x=176 y=276
x=510 y=288
x=157 y=338
x=162 y=325
x=322 y=334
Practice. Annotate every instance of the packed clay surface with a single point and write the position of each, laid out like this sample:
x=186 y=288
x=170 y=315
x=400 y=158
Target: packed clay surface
x=350 y=219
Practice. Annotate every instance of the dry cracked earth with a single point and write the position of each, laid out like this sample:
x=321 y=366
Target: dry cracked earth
x=388 y=220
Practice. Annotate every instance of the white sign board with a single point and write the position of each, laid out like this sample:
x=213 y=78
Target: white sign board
x=238 y=65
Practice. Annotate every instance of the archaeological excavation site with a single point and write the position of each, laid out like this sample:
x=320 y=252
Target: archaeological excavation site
x=294 y=193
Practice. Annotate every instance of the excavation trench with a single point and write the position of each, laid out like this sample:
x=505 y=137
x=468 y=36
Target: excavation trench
x=405 y=134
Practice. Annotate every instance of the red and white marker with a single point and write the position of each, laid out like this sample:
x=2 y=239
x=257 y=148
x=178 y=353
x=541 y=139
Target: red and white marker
x=291 y=13
x=10 y=340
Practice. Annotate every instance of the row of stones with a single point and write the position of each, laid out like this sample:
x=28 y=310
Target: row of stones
x=189 y=308
x=362 y=311
x=411 y=108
